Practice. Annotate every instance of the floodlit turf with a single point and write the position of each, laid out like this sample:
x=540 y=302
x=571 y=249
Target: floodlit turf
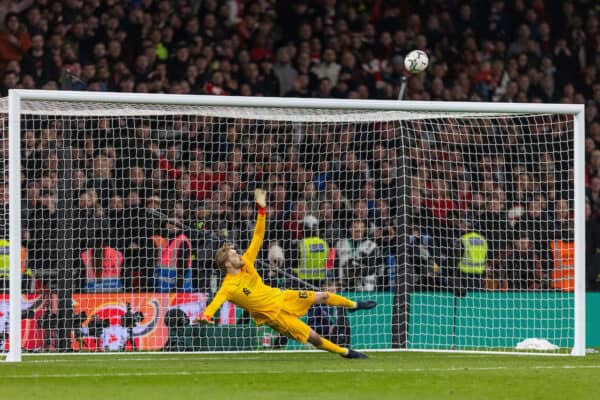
x=303 y=376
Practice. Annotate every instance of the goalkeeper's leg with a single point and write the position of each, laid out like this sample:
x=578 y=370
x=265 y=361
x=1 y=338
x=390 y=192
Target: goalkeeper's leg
x=335 y=300
x=291 y=326
x=321 y=343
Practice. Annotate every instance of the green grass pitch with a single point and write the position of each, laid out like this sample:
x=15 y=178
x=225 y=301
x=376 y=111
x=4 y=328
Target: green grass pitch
x=283 y=376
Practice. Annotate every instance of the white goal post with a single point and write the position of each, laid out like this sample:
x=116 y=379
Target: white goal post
x=443 y=131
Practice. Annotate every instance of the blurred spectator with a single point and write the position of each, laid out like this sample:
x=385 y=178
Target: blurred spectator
x=358 y=259
x=14 y=41
x=43 y=227
x=521 y=268
x=351 y=176
x=10 y=80
x=90 y=227
x=284 y=71
x=592 y=251
x=563 y=221
x=102 y=179
x=425 y=256
x=495 y=224
x=594 y=190
x=244 y=222
x=299 y=215
x=330 y=228
x=440 y=202
x=38 y=63
x=328 y=67
x=173 y=271
x=16 y=7
x=199 y=181
x=536 y=222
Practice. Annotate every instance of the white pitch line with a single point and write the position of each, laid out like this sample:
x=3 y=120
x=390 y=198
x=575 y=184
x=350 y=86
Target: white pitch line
x=101 y=357
x=121 y=359
x=276 y=372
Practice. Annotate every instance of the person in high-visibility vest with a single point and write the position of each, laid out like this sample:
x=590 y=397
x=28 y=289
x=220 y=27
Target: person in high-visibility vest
x=312 y=268
x=174 y=269
x=474 y=259
x=312 y=258
x=471 y=253
x=107 y=277
x=5 y=267
x=4 y=264
x=562 y=276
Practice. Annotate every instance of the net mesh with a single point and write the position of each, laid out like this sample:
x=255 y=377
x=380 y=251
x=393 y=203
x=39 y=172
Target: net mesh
x=460 y=226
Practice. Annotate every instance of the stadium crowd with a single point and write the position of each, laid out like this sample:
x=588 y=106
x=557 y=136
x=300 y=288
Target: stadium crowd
x=342 y=183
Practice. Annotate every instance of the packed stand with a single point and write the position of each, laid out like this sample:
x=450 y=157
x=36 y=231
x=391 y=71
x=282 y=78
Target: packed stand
x=123 y=169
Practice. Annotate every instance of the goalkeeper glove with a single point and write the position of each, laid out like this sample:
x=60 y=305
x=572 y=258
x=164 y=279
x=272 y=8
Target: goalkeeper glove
x=261 y=198
x=204 y=319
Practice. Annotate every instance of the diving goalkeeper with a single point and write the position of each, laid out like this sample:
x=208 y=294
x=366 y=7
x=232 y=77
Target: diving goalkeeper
x=279 y=309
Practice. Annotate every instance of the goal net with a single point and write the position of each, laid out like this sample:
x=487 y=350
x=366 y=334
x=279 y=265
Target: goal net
x=462 y=225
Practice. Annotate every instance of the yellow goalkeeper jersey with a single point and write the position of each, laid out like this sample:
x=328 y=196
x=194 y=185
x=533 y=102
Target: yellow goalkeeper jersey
x=246 y=288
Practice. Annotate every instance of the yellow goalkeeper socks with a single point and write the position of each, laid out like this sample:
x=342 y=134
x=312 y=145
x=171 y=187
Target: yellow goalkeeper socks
x=336 y=300
x=332 y=347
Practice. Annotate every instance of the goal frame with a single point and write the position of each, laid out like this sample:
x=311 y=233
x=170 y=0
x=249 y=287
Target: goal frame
x=16 y=96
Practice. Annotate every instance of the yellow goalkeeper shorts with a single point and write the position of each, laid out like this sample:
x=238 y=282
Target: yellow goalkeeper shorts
x=295 y=304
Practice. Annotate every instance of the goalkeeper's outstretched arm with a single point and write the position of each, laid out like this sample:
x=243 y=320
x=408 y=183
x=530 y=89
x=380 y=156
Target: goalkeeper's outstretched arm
x=259 y=231
x=211 y=309
x=231 y=263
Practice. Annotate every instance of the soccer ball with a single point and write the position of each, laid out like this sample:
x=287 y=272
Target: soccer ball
x=416 y=61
